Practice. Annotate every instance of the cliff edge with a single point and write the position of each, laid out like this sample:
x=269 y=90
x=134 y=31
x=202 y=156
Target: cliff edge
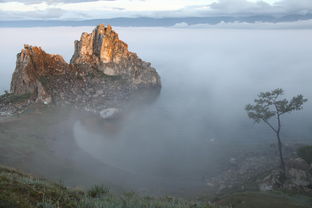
x=101 y=73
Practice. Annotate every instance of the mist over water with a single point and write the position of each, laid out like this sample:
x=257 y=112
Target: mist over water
x=208 y=76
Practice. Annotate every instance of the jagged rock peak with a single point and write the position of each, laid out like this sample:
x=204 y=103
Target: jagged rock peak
x=102 y=50
x=102 y=72
x=42 y=62
x=31 y=65
x=100 y=46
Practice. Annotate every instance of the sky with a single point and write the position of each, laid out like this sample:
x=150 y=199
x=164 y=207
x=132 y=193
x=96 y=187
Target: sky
x=97 y=9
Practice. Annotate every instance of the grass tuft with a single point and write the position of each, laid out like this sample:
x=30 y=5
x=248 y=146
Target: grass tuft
x=98 y=191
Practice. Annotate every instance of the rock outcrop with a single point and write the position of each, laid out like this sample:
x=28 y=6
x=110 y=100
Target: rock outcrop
x=102 y=50
x=101 y=72
x=298 y=177
x=32 y=65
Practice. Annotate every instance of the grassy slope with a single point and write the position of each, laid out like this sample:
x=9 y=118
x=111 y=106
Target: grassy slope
x=266 y=200
x=18 y=190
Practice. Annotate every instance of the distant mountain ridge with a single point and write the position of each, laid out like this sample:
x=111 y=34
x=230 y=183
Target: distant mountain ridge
x=155 y=22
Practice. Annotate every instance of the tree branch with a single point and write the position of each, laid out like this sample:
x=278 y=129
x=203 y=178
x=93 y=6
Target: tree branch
x=278 y=114
x=265 y=121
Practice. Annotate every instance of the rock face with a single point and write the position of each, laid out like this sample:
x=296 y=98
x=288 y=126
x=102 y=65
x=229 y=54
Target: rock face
x=101 y=72
x=299 y=173
x=103 y=51
x=298 y=177
x=100 y=46
x=241 y=171
x=32 y=64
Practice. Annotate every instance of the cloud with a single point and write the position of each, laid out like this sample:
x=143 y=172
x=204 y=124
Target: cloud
x=97 y=9
x=296 y=6
x=50 y=13
x=241 y=8
x=302 y=24
x=50 y=1
x=39 y=1
x=244 y=7
x=230 y=7
x=181 y=25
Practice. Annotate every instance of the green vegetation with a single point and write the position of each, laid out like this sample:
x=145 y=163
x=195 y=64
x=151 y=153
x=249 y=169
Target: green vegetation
x=265 y=200
x=12 y=98
x=18 y=190
x=305 y=153
x=98 y=191
x=269 y=105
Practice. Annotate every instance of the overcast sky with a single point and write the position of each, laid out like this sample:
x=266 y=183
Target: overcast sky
x=96 y=9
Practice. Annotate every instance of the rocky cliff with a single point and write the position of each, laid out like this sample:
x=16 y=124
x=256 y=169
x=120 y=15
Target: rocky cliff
x=102 y=50
x=101 y=72
x=32 y=65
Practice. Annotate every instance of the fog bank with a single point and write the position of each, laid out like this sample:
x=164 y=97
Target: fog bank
x=208 y=76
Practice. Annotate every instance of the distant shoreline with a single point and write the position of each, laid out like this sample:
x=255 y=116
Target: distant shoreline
x=162 y=22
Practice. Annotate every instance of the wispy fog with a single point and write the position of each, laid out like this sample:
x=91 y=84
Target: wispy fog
x=208 y=76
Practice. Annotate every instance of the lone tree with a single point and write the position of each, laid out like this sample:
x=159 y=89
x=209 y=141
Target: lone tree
x=270 y=105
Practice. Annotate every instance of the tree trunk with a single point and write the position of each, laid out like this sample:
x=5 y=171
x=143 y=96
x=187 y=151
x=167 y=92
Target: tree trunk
x=281 y=153
x=280 y=149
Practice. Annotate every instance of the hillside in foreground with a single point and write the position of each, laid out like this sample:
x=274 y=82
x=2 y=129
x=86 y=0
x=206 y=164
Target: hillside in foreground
x=19 y=190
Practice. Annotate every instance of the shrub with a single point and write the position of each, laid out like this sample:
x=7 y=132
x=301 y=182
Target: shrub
x=98 y=191
x=305 y=153
x=12 y=98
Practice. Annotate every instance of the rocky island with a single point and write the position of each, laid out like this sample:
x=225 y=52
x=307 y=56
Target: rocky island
x=102 y=73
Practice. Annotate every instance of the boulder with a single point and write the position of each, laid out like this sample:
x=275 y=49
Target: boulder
x=272 y=181
x=109 y=113
x=298 y=163
x=298 y=171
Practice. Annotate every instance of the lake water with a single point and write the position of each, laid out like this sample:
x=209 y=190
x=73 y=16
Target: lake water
x=208 y=76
